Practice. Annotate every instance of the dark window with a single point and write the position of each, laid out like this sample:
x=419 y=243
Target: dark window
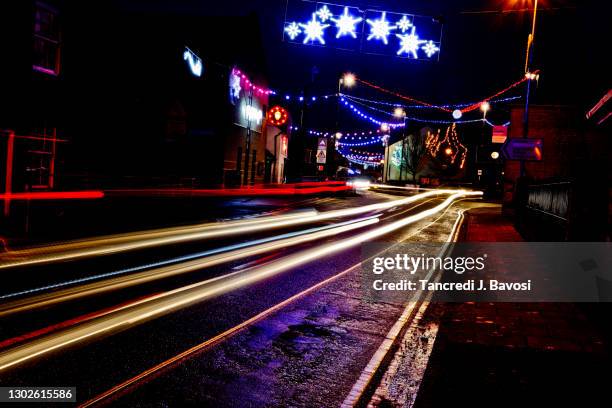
x=46 y=40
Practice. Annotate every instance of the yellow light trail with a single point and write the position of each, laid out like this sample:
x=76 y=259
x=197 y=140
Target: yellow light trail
x=182 y=297
x=124 y=281
x=147 y=239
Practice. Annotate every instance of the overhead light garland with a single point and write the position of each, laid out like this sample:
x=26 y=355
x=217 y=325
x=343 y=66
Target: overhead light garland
x=344 y=135
x=251 y=85
x=468 y=108
x=395 y=125
x=450 y=106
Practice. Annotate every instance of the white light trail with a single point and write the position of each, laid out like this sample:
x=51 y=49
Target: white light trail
x=149 y=239
x=182 y=297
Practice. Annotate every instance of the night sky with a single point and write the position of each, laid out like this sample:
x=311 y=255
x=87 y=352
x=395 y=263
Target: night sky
x=481 y=52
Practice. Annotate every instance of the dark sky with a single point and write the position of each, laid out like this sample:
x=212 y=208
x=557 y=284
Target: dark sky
x=481 y=52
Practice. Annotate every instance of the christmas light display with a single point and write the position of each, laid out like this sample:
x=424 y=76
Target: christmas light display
x=430 y=48
x=396 y=104
x=410 y=43
x=344 y=135
x=293 y=30
x=453 y=148
x=404 y=24
x=384 y=32
x=346 y=24
x=380 y=29
x=409 y=118
x=368 y=117
x=250 y=85
x=468 y=108
x=277 y=116
x=368 y=160
x=314 y=30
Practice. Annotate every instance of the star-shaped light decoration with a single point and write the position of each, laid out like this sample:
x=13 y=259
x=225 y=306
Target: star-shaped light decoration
x=409 y=43
x=293 y=30
x=324 y=13
x=235 y=87
x=314 y=30
x=346 y=24
x=380 y=29
x=430 y=48
x=404 y=24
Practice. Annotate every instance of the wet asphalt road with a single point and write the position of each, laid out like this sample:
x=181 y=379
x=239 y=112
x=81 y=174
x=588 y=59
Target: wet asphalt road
x=314 y=348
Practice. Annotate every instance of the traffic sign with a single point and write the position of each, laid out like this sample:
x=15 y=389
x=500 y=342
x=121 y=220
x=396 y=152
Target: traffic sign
x=523 y=149
x=500 y=134
x=322 y=151
x=321 y=156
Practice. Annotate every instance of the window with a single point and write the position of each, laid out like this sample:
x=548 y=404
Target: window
x=46 y=58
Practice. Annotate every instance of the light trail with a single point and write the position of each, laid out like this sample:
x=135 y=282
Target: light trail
x=216 y=257
x=148 y=239
x=175 y=260
x=166 y=364
x=182 y=297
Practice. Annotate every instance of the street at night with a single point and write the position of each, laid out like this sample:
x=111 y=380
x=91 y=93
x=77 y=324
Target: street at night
x=305 y=204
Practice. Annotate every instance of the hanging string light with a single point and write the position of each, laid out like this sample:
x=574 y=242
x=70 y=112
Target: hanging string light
x=468 y=108
x=453 y=148
x=349 y=102
x=450 y=106
x=251 y=85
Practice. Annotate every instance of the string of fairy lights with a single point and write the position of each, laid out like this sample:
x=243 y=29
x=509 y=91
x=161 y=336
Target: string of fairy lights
x=377 y=113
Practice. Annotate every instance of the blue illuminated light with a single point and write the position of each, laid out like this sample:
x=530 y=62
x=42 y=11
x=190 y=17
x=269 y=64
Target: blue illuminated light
x=409 y=43
x=293 y=30
x=194 y=62
x=368 y=31
x=404 y=24
x=430 y=48
x=346 y=24
x=314 y=30
x=380 y=28
x=324 y=13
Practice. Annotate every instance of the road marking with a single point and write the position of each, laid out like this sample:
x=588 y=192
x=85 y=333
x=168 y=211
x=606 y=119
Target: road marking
x=222 y=336
x=367 y=375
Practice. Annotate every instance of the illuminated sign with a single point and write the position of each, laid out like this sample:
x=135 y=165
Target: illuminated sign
x=370 y=31
x=278 y=116
x=193 y=62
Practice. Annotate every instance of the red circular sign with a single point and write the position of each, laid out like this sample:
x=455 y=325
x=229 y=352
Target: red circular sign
x=278 y=116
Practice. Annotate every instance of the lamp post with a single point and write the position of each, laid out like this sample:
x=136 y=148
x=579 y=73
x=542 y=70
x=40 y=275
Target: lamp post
x=530 y=77
x=347 y=80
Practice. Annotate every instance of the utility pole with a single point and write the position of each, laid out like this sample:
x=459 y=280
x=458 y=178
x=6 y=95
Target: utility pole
x=247 y=150
x=530 y=77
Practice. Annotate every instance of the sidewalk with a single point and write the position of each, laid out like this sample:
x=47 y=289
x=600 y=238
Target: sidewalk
x=513 y=354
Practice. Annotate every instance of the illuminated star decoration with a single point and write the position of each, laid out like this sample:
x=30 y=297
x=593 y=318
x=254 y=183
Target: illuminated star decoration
x=380 y=29
x=346 y=24
x=314 y=30
x=293 y=30
x=430 y=48
x=409 y=43
x=235 y=87
x=324 y=13
x=404 y=24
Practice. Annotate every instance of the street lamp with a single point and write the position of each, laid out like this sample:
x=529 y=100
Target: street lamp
x=399 y=112
x=485 y=107
x=348 y=80
x=384 y=127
